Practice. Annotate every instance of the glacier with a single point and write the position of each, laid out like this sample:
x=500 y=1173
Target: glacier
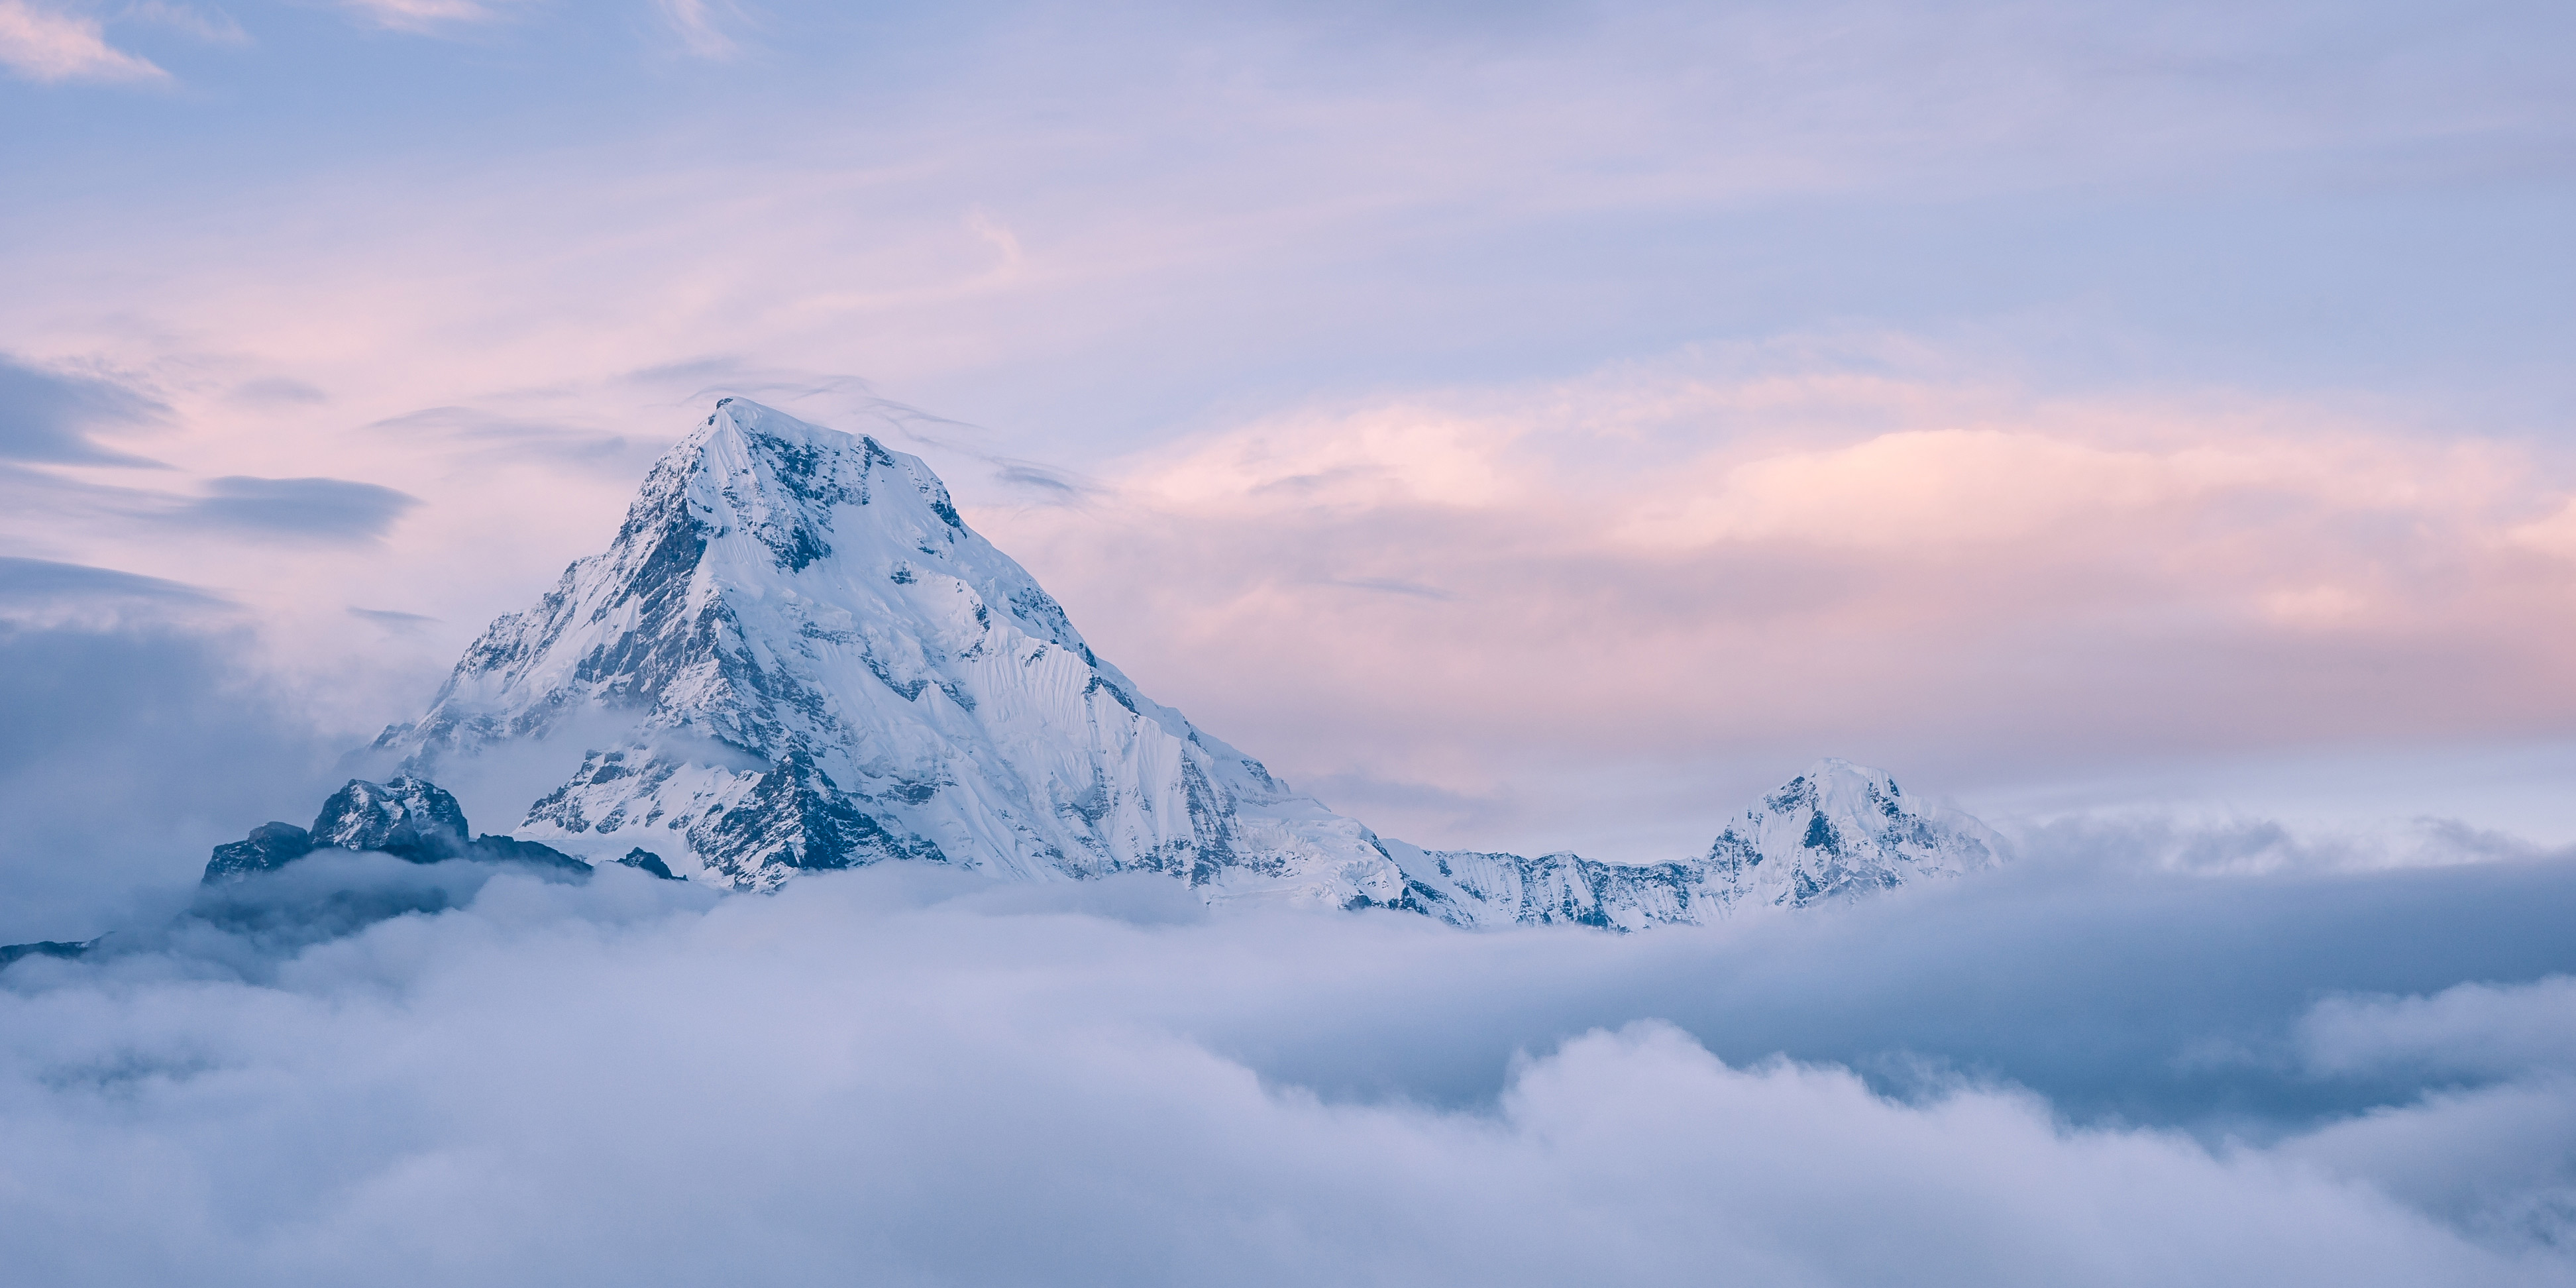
x=795 y=655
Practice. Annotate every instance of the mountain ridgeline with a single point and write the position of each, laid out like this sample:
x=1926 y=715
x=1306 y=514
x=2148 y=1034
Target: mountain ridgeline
x=795 y=655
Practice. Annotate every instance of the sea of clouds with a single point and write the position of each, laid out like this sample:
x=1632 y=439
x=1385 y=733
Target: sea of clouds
x=2128 y=1057
x=913 y=1076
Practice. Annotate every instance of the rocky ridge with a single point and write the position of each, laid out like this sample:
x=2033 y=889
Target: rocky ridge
x=1837 y=831
x=409 y=818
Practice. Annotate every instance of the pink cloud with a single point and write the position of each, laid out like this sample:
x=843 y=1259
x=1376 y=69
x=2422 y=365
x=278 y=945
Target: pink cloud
x=1500 y=590
x=46 y=45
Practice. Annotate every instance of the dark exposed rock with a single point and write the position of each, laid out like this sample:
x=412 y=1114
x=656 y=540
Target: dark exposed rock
x=647 y=861
x=503 y=849
x=270 y=846
x=795 y=816
x=45 y=948
x=409 y=818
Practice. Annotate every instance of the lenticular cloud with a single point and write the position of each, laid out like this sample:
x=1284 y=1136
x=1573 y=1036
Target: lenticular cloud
x=898 y=1076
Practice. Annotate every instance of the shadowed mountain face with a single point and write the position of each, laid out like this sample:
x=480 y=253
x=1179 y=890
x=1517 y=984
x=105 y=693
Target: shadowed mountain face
x=795 y=656
x=402 y=817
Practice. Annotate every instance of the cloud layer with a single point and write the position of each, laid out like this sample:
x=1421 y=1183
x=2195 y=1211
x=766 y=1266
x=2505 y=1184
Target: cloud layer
x=917 y=1078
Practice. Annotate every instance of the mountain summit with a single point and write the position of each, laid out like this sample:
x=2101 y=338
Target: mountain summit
x=796 y=656
x=805 y=659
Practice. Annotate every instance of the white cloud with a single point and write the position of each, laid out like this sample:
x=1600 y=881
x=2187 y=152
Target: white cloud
x=49 y=46
x=904 y=1076
x=700 y=26
x=2498 y=1159
x=2482 y=1030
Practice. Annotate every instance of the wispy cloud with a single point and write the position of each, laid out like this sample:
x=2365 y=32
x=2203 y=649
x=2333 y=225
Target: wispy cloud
x=1390 y=586
x=45 y=584
x=48 y=415
x=704 y=28
x=213 y=26
x=424 y=15
x=52 y=46
x=321 y=509
x=391 y=619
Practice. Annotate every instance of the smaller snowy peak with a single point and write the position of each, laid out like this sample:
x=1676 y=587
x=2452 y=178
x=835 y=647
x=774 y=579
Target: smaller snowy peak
x=262 y=886
x=1836 y=832
x=1840 y=830
x=407 y=817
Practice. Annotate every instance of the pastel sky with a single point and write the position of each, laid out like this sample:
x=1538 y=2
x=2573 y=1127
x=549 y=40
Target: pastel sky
x=1525 y=425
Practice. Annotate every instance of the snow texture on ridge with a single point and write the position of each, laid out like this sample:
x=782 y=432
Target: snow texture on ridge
x=1838 y=831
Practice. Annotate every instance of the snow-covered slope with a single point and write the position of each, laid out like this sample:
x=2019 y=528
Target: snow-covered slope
x=1835 y=832
x=804 y=658
x=795 y=655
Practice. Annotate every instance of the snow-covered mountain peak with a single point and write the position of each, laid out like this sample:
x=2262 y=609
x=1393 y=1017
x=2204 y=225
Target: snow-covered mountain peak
x=781 y=480
x=755 y=532
x=805 y=658
x=1834 y=797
